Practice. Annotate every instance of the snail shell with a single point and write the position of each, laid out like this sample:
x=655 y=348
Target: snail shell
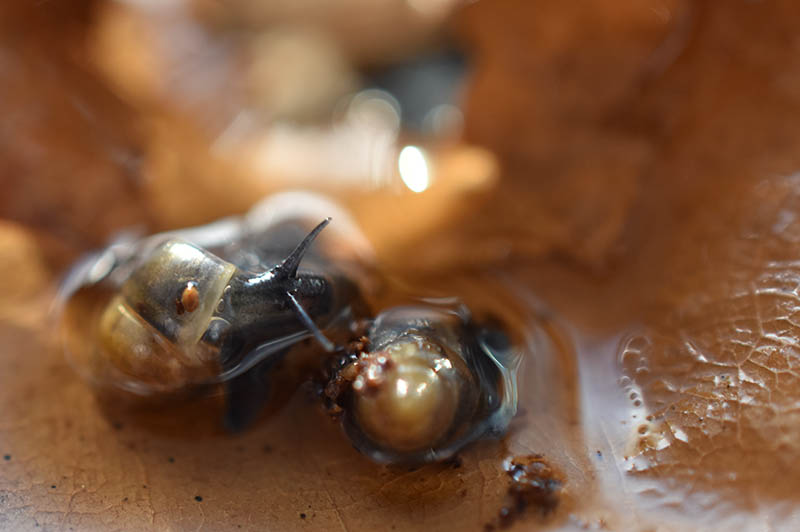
x=432 y=382
x=150 y=331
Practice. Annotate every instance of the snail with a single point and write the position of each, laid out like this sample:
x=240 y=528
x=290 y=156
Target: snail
x=181 y=316
x=224 y=303
x=431 y=381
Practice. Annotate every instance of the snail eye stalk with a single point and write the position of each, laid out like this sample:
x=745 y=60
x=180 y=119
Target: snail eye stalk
x=288 y=268
x=285 y=275
x=309 y=323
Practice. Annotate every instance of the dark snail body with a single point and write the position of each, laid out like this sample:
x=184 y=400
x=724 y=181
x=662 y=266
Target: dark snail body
x=183 y=317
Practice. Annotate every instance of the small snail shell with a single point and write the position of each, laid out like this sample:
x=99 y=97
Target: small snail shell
x=411 y=395
x=432 y=382
x=147 y=331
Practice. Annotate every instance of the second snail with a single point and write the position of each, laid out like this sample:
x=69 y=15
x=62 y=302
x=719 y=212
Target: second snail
x=223 y=304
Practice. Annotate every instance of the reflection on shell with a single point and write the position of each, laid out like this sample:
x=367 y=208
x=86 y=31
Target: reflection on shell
x=431 y=382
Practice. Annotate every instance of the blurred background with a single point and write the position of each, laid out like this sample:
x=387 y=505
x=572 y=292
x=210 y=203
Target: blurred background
x=629 y=165
x=175 y=113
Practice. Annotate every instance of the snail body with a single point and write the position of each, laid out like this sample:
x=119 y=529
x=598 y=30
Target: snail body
x=186 y=306
x=220 y=304
x=431 y=382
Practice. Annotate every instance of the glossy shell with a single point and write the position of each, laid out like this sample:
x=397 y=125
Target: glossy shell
x=147 y=334
x=155 y=290
x=431 y=382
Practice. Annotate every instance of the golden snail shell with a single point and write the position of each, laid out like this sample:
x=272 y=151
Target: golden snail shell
x=432 y=382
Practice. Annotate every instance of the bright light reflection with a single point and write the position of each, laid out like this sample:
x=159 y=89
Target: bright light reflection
x=402 y=387
x=413 y=168
x=442 y=363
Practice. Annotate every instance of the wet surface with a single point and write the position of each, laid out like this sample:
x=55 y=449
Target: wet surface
x=534 y=489
x=307 y=463
x=642 y=241
x=716 y=376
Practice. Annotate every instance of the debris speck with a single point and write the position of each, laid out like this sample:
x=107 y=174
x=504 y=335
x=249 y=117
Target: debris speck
x=535 y=485
x=455 y=462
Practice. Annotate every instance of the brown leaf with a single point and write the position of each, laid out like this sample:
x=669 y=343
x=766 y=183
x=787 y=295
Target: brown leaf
x=653 y=144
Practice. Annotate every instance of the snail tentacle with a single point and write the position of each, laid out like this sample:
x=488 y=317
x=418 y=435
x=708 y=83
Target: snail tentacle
x=309 y=323
x=288 y=268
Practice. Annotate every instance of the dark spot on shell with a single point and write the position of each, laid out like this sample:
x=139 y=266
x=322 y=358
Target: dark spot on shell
x=302 y=516
x=198 y=498
x=6 y=457
x=171 y=460
x=53 y=486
